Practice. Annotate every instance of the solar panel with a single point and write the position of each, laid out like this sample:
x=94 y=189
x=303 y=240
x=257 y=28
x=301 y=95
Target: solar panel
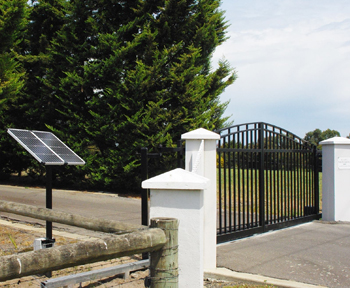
x=45 y=147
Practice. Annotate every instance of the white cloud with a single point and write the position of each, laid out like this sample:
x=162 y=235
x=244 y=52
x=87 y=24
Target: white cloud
x=293 y=62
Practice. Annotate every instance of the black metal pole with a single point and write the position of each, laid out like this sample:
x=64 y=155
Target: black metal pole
x=48 y=199
x=145 y=192
x=179 y=154
x=316 y=184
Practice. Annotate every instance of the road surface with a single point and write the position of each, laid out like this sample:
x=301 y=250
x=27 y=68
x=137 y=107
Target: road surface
x=100 y=205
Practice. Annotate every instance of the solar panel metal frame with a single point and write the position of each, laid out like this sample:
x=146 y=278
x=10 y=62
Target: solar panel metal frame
x=49 y=151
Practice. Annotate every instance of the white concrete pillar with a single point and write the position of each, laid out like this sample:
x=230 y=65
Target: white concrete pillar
x=336 y=179
x=201 y=159
x=179 y=194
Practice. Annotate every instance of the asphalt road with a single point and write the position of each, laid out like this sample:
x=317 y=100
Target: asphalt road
x=100 y=205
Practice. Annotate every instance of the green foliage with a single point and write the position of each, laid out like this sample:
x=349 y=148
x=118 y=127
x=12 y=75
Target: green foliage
x=13 y=19
x=316 y=136
x=109 y=77
x=12 y=22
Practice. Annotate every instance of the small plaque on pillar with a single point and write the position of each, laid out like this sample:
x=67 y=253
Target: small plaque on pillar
x=343 y=162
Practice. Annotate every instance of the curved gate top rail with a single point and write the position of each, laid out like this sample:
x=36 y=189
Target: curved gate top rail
x=267 y=179
x=270 y=130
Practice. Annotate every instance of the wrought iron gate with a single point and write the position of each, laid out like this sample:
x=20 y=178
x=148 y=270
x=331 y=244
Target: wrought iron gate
x=267 y=179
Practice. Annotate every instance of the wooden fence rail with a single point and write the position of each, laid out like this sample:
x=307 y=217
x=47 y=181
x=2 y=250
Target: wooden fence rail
x=45 y=260
x=141 y=239
x=96 y=224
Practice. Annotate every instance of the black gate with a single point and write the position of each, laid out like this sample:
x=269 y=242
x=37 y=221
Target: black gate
x=267 y=179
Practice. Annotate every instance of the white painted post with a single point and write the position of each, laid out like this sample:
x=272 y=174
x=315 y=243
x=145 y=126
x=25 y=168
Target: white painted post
x=201 y=159
x=336 y=179
x=179 y=194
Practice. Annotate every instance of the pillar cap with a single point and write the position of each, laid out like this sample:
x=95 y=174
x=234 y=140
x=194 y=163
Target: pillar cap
x=200 y=134
x=335 y=141
x=177 y=179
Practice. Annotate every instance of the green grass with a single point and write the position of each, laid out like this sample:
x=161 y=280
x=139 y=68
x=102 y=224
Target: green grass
x=283 y=197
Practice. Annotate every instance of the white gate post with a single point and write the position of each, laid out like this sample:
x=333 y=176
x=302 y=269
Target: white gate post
x=201 y=159
x=179 y=194
x=336 y=179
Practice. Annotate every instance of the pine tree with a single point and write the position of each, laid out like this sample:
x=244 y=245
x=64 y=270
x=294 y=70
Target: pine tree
x=127 y=74
x=47 y=17
x=13 y=19
x=12 y=22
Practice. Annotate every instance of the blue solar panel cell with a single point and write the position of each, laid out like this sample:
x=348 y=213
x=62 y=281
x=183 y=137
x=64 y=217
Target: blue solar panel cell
x=45 y=147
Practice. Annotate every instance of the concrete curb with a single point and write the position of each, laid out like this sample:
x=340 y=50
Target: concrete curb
x=229 y=275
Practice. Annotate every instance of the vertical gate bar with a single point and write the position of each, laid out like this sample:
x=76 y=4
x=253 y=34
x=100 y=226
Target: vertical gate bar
x=301 y=183
x=290 y=192
x=225 y=185
x=316 y=188
x=244 y=192
x=279 y=176
x=229 y=182
x=243 y=182
x=266 y=177
x=275 y=156
x=294 y=179
x=307 y=178
x=283 y=177
x=311 y=184
x=273 y=179
x=273 y=199
x=220 y=188
x=295 y=160
x=261 y=177
x=304 y=178
x=298 y=182
x=311 y=179
x=256 y=177
x=248 y=177
x=234 y=185
x=302 y=169
x=311 y=196
x=270 y=195
x=300 y=174
x=296 y=199
x=307 y=172
x=239 y=180
x=251 y=180
x=284 y=180
x=288 y=179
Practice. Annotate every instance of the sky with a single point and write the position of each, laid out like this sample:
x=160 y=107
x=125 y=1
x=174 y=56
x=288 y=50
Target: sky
x=292 y=59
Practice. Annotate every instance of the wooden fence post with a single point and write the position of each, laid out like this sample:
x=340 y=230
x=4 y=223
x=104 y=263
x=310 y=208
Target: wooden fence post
x=164 y=262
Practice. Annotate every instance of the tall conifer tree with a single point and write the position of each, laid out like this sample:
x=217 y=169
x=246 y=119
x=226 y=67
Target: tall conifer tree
x=111 y=76
x=128 y=74
x=13 y=19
